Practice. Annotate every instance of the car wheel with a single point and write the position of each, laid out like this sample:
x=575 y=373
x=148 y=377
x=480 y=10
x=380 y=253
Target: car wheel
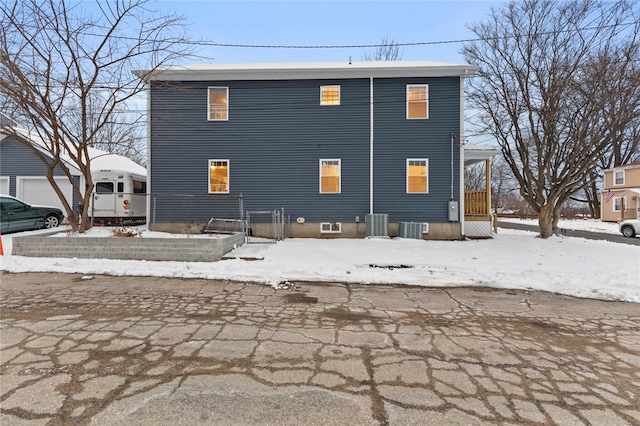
x=628 y=231
x=51 y=221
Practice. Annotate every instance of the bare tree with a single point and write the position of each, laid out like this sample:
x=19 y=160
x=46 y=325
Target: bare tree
x=541 y=96
x=388 y=50
x=622 y=69
x=503 y=186
x=66 y=71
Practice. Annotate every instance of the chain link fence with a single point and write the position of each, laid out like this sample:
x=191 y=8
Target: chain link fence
x=267 y=226
x=196 y=213
x=118 y=208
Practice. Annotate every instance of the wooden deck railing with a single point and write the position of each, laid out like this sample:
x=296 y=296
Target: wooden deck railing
x=475 y=203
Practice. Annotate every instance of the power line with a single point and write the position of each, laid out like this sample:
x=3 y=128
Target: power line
x=418 y=43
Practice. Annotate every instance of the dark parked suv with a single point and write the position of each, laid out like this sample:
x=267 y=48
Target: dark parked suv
x=16 y=215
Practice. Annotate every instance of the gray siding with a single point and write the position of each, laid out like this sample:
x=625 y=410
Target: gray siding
x=18 y=160
x=397 y=139
x=277 y=132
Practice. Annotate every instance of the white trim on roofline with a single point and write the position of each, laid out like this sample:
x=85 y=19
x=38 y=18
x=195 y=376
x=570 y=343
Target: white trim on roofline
x=306 y=70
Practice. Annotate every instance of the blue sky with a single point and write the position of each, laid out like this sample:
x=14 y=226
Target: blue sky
x=327 y=23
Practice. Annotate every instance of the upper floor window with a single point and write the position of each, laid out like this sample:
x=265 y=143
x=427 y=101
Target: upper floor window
x=330 y=176
x=218 y=103
x=219 y=176
x=618 y=177
x=417 y=101
x=329 y=95
x=417 y=176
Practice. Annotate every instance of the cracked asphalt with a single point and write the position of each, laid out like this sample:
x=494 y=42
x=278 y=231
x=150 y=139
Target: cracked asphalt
x=159 y=351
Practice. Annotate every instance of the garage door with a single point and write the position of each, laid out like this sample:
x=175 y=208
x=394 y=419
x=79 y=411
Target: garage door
x=4 y=185
x=38 y=190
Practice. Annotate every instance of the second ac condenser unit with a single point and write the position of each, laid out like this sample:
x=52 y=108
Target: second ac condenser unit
x=410 y=230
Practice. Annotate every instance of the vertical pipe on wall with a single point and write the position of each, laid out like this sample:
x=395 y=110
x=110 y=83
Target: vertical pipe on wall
x=370 y=145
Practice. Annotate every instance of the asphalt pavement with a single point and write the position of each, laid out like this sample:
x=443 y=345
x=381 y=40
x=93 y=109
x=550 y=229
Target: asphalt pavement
x=78 y=350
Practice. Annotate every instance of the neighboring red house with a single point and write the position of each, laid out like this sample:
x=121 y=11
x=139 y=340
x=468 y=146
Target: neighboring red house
x=621 y=193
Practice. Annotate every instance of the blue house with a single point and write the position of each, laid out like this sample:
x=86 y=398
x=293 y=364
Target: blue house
x=333 y=144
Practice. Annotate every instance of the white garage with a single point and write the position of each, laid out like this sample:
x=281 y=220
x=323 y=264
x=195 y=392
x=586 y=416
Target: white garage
x=38 y=190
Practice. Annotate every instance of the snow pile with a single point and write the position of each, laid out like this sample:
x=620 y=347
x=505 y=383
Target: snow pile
x=513 y=259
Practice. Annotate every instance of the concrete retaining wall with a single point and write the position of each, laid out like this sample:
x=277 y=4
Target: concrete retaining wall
x=165 y=249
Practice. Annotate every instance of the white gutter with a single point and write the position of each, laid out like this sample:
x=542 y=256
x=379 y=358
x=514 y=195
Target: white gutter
x=371 y=145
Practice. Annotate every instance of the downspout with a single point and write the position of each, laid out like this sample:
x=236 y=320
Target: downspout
x=371 y=145
x=461 y=204
x=148 y=195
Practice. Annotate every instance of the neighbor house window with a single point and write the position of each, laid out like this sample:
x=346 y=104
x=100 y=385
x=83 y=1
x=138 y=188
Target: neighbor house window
x=618 y=177
x=218 y=103
x=417 y=176
x=218 y=176
x=417 y=101
x=329 y=176
x=329 y=95
x=617 y=204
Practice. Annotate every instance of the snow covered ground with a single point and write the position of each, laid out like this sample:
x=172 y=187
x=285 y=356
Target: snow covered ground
x=513 y=259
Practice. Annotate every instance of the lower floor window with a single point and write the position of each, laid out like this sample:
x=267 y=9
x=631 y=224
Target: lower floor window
x=218 y=176
x=617 y=204
x=417 y=175
x=330 y=227
x=329 y=176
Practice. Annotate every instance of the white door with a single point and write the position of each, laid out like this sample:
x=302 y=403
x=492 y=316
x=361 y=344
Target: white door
x=38 y=190
x=4 y=185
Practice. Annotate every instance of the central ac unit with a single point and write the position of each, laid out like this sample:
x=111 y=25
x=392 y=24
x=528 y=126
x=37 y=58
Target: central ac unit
x=377 y=225
x=410 y=230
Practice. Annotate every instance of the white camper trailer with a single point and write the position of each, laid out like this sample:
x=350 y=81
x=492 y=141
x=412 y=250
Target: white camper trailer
x=119 y=198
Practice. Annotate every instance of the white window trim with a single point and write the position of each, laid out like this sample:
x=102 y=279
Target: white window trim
x=209 y=104
x=406 y=172
x=426 y=86
x=330 y=227
x=334 y=86
x=614 y=177
x=623 y=201
x=339 y=175
x=209 y=176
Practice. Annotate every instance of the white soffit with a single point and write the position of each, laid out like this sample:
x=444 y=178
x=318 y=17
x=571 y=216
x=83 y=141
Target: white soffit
x=308 y=70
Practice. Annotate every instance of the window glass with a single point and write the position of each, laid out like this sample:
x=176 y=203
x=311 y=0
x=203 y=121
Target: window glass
x=13 y=205
x=104 y=187
x=120 y=186
x=330 y=95
x=619 y=177
x=617 y=204
x=417 y=101
x=218 y=103
x=139 y=187
x=417 y=181
x=329 y=176
x=218 y=176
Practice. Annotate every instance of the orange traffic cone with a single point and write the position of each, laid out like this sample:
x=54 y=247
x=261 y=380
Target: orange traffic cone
x=1 y=251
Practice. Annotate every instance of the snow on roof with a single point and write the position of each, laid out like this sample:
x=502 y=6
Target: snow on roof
x=100 y=159
x=307 y=70
x=476 y=153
